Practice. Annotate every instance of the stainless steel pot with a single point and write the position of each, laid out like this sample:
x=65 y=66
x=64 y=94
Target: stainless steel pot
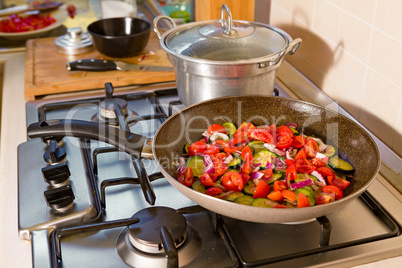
x=225 y=57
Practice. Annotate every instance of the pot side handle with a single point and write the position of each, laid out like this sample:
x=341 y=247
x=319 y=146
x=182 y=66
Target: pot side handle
x=291 y=49
x=157 y=19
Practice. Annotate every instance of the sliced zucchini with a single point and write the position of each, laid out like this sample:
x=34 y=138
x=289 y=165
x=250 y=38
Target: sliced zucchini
x=341 y=166
x=230 y=128
x=196 y=163
x=256 y=146
x=262 y=157
x=249 y=188
x=235 y=163
x=262 y=202
x=301 y=177
x=279 y=170
x=198 y=186
x=244 y=200
x=329 y=151
x=233 y=196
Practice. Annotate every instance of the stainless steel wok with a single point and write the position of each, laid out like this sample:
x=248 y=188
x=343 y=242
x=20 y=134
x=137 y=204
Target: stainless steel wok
x=352 y=141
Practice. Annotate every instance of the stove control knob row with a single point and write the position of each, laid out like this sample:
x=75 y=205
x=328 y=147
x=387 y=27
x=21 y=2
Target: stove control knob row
x=55 y=154
x=60 y=199
x=56 y=174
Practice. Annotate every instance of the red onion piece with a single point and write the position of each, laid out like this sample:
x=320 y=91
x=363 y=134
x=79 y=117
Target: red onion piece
x=293 y=125
x=319 y=177
x=301 y=184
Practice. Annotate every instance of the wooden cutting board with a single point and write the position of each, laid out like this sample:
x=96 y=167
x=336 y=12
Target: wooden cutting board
x=45 y=69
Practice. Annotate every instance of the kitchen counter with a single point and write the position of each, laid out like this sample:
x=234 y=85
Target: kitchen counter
x=15 y=251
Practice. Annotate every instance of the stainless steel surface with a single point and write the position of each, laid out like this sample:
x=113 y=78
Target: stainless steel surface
x=214 y=74
x=74 y=42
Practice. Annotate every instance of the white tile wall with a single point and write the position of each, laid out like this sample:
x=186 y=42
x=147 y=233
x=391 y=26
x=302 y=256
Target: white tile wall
x=352 y=50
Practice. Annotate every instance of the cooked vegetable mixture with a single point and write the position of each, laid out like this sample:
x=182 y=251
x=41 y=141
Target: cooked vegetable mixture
x=17 y=24
x=265 y=166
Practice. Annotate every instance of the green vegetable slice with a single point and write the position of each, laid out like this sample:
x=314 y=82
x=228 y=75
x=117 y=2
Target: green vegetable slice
x=244 y=200
x=340 y=166
x=230 y=128
x=196 y=163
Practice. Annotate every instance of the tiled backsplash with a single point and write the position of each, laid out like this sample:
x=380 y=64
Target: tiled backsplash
x=352 y=50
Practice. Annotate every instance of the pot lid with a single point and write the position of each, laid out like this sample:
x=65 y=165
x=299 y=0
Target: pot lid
x=74 y=42
x=226 y=40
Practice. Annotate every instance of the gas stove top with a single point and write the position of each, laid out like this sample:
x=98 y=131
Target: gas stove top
x=81 y=202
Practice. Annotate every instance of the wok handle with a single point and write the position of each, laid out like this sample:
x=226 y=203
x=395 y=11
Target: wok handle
x=157 y=19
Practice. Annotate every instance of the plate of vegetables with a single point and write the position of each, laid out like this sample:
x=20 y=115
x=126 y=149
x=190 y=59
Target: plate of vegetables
x=266 y=159
x=31 y=25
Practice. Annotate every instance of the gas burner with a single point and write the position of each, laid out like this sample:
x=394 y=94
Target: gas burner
x=139 y=243
x=111 y=107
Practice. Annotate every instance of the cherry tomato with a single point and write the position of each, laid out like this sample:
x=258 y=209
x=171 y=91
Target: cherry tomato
x=305 y=169
x=232 y=181
x=322 y=198
x=210 y=149
x=341 y=183
x=206 y=179
x=299 y=142
x=186 y=177
x=262 y=190
x=247 y=166
x=291 y=173
x=302 y=201
x=283 y=130
x=71 y=9
x=319 y=162
x=260 y=135
x=216 y=127
x=213 y=191
x=221 y=144
x=326 y=171
x=311 y=148
x=279 y=186
x=284 y=141
x=267 y=173
x=247 y=154
x=196 y=148
x=288 y=194
x=280 y=206
x=334 y=190
x=245 y=177
x=241 y=134
x=301 y=154
x=276 y=196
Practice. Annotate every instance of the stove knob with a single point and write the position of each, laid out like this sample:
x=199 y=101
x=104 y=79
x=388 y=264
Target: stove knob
x=56 y=174
x=55 y=154
x=60 y=199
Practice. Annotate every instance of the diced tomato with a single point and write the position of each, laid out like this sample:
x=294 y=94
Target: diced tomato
x=262 y=190
x=197 y=148
x=299 y=142
x=186 y=177
x=302 y=201
x=275 y=196
x=311 y=148
x=260 y=135
x=319 y=162
x=326 y=171
x=221 y=144
x=341 y=183
x=210 y=149
x=216 y=127
x=232 y=181
x=206 y=179
x=334 y=190
x=279 y=186
x=267 y=173
x=213 y=191
x=288 y=194
x=247 y=154
x=323 y=198
x=282 y=130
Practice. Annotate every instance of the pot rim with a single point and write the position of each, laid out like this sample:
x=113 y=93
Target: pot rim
x=171 y=31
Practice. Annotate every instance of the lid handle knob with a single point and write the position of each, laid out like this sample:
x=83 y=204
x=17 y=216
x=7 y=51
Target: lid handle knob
x=226 y=24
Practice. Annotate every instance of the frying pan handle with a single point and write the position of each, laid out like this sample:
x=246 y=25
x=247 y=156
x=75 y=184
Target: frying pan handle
x=157 y=19
x=124 y=140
